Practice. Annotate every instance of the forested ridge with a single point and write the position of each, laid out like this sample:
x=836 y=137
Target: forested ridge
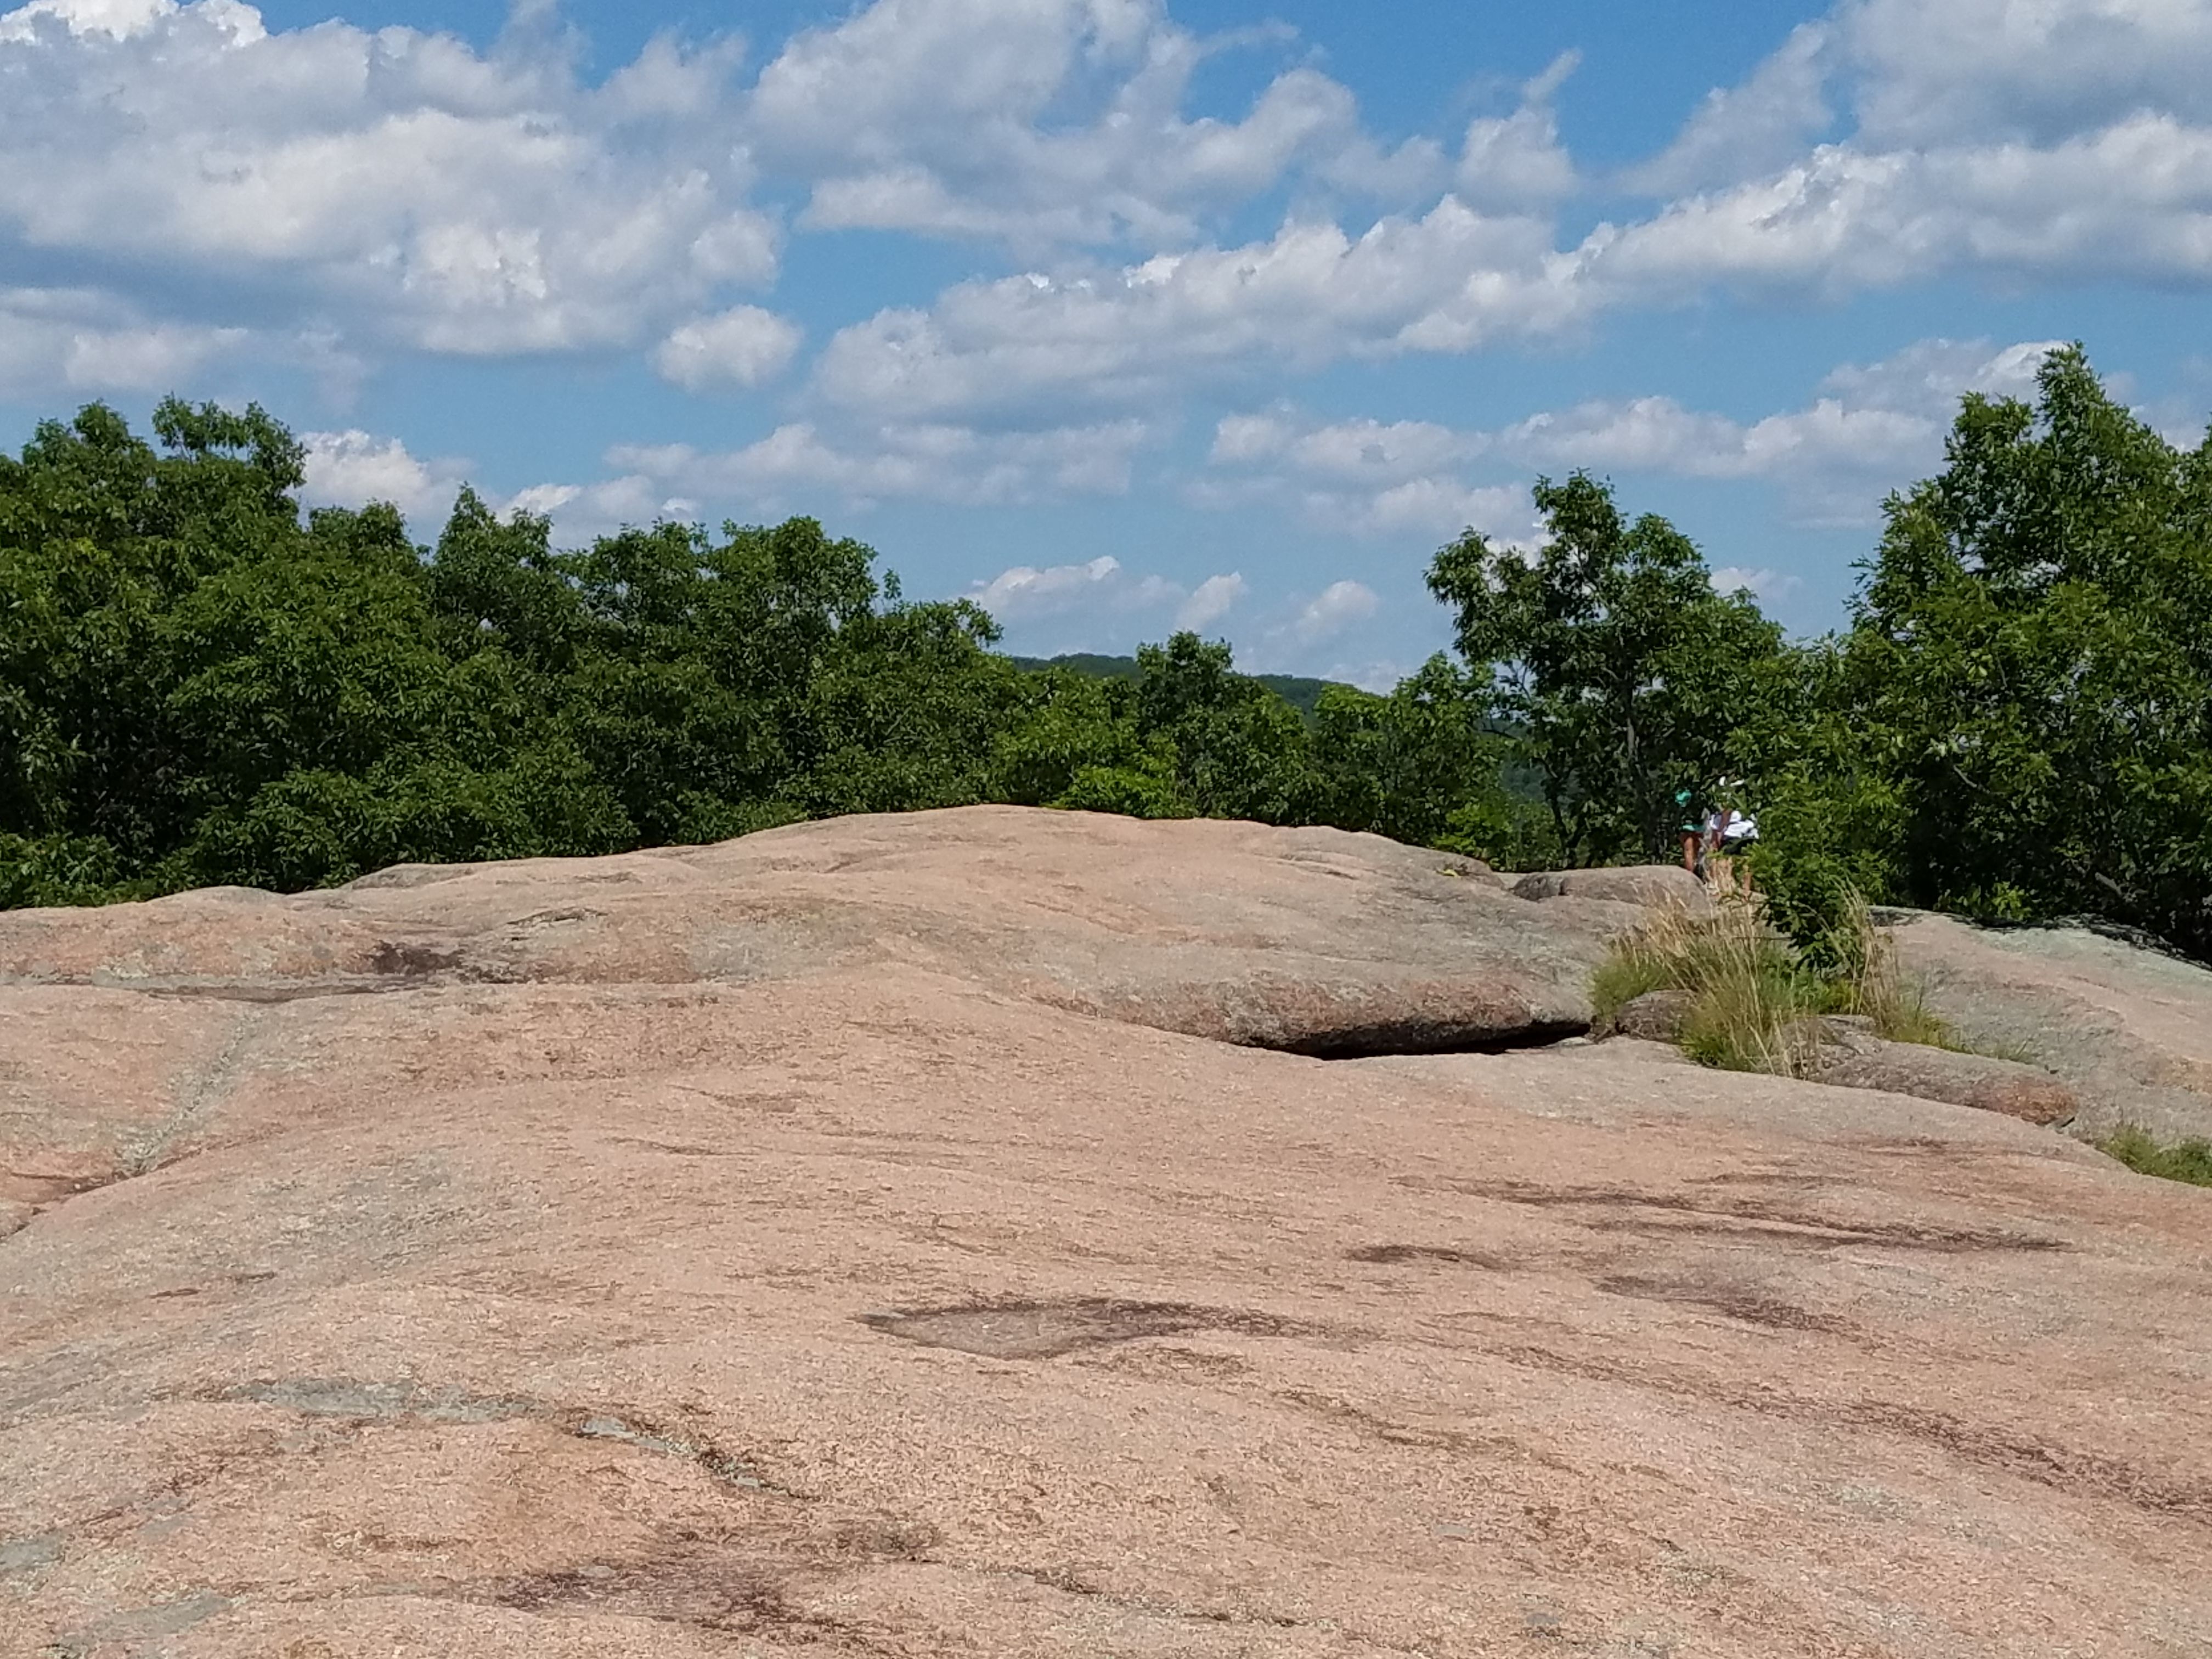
x=202 y=684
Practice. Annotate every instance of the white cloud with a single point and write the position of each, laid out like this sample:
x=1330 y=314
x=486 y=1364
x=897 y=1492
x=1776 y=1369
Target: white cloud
x=1658 y=434
x=354 y=468
x=2018 y=138
x=1762 y=583
x=1760 y=125
x=1447 y=280
x=1042 y=123
x=1985 y=72
x=116 y=19
x=1872 y=429
x=1026 y=593
x=742 y=347
x=2092 y=181
x=798 y=462
x=418 y=193
x=1210 y=601
x=401 y=190
x=2130 y=201
x=582 y=513
x=87 y=341
x=1334 y=609
x=1517 y=161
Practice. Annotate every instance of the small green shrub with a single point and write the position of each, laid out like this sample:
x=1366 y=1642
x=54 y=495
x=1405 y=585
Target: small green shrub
x=2190 y=1161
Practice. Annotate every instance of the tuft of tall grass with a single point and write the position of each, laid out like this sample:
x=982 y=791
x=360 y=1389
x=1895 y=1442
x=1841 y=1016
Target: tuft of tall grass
x=1755 y=998
x=2190 y=1161
x=1867 y=980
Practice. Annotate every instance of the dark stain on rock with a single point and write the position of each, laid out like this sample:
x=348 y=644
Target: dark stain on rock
x=410 y=959
x=1745 y=1306
x=1045 y=1330
x=2061 y=1469
x=1395 y=1256
x=745 y=1583
x=1714 y=1215
x=723 y=1465
x=400 y=1402
x=325 y=1396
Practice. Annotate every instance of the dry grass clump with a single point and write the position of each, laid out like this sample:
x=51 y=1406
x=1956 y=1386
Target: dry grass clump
x=1755 y=998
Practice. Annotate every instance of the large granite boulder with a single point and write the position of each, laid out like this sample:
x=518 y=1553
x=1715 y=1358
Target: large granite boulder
x=2128 y=1027
x=1653 y=885
x=1852 y=1058
x=845 y=1242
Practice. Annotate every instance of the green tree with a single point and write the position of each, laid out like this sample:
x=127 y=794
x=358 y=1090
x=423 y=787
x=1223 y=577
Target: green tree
x=1414 y=765
x=2028 y=676
x=1240 y=750
x=1071 y=740
x=1607 y=655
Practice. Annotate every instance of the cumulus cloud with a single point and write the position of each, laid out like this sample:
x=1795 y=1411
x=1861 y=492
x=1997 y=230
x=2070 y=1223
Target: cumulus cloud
x=1041 y=122
x=2030 y=71
x=421 y=193
x=914 y=461
x=1026 y=593
x=582 y=513
x=2013 y=137
x=401 y=190
x=353 y=468
x=1761 y=583
x=2094 y=175
x=1210 y=601
x=742 y=347
x=1517 y=161
x=89 y=342
x=1752 y=129
x=1872 y=428
x=1334 y=609
x=1310 y=294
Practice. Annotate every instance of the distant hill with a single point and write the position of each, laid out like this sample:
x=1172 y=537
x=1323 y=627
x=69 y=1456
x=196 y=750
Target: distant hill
x=1296 y=689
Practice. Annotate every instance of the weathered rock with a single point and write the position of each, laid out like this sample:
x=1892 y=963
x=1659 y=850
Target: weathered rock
x=1852 y=1057
x=1648 y=884
x=1655 y=1017
x=751 y=1251
x=1312 y=940
x=2129 y=1028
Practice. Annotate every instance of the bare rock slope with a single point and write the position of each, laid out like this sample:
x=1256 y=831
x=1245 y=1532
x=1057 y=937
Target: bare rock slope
x=942 y=1236
x=2129 y=1029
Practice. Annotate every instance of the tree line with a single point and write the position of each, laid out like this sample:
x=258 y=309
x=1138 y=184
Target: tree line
x=200 y=685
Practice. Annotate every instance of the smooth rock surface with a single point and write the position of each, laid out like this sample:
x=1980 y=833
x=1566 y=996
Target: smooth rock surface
x=1853 y=1060
x=2130 y=1030
x=1650 y=884
x=804 y=1246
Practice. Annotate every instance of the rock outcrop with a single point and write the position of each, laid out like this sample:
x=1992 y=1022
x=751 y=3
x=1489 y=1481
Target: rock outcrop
x=1854 y=1059
x=2128 y=1030
x=1655 y=1017
x=1635 y=884
x=908 y=1237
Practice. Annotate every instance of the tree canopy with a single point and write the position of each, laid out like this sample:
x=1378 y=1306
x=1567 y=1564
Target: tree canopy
x=200 y=683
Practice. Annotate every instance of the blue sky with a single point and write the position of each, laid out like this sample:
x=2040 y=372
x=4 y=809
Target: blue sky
x=1118 y=315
